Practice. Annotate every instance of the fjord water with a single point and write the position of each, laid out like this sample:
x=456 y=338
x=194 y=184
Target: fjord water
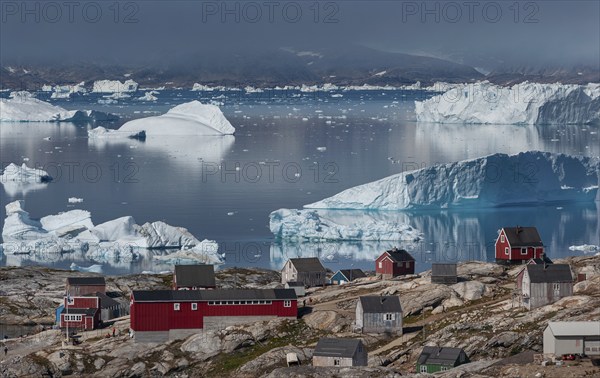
x=290 y=149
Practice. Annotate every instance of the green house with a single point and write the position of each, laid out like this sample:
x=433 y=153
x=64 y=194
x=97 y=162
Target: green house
x=433 y=359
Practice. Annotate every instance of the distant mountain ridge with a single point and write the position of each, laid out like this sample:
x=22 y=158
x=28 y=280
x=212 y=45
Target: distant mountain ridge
x=279 y=66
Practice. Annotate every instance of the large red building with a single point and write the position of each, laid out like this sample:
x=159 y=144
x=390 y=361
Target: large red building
x=172 y=314
x=395 y=262
x=518 y=245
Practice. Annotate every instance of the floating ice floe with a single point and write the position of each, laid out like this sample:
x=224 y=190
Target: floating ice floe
x=24 y=175
x=66 y=91
x=310 y=225
x=495 y=180
x=102 y=132
x=75 y=200
x=96 y=268
x=524 y=103
x=118 y=239
x=148 y=97
x=188 y=119
x=114 y=86
x=586 y=248
x=27 y=109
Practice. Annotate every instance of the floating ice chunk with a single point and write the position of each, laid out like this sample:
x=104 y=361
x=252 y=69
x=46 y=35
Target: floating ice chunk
x=322 y=149
x=24 y=175
x=75 y=200
x=206 y=253
x=191 y=118
x=21 y=94
x=310 y=225
x=96 y=268
x=24 y=109
x=524 y=103
x=102 y=133
x=490 y=181
x=148 y=97
x=586 y=248
x=18 y=224
x=114 y=86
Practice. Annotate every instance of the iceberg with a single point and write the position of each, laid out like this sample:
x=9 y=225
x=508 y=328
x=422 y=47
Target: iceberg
x=96 y=268
x=65 y=91
x=310 y=225
x=585 y=248
x=118 y=239
x=188 y=119
x=204 y=253
x=524 y=103
x=114 y=86
x=102 y=132
x=24 y=174
x=28 y=109
x=148 y=97
x=496 y=180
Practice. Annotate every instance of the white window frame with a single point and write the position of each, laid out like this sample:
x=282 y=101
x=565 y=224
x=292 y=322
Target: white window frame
x=194 y=306
x=70 y=300
x=444 y=368
x=381 y=265
x=502 y=239
x=176 y=306
x=524 y=251
x=389 y=316
x=287 y=303
x=507 y=251
x=423 y=369
x=336 y=362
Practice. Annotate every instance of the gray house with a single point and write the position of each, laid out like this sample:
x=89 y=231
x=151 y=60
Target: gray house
x=572 y=338
x=542 y=284
x=340 y=352
x=297 y=286
x=308 y=270
x=444 y=273
x=111 y=308
x=194 y=277
x=379 y=314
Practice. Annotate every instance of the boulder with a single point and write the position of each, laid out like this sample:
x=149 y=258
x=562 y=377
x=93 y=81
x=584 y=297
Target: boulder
x=469 y=290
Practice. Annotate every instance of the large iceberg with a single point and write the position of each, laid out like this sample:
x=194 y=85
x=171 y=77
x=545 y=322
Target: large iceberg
x=28 y=109
x=73 y=231
x=24 y=175
x=188 y=119
x=114 y=86
x=310 y=225
x=495 y=180
x=524 y=103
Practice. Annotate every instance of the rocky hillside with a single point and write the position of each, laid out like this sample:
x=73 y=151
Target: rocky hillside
x=478 y=314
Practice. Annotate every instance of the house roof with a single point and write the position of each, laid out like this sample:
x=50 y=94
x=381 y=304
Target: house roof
x=443 y=269
x=345 y=348
x=80 y=311
x=352 y=274
x=439 y=355
x=399 y=255
x=86 y=281
x=575 y=328
x=212 y=295
x=295 y=284
x=308 y=264
x=201 y=275
x=523 y=236
x=540 y=273
x=375 y=304
x=105 y=300
x=544 y=259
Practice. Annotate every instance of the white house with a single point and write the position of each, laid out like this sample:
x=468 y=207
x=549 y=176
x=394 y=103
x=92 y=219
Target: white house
x=572 y=338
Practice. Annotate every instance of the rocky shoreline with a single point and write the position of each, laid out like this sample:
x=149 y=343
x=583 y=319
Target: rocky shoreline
x=478 y=314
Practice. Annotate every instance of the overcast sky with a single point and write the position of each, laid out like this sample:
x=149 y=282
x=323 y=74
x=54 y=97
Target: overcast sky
x=477 y=32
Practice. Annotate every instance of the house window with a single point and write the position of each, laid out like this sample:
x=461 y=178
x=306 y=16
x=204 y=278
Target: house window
x=380 y=264
x=70 y=300
x=523 y=251
x=556 y=286
x=423 y=369
x=176 y=306
x=336 y=362
x=194 y=306
x=444 y=368
x=407 y=264
x=506 y=251
x=502 y=239
x=287 y=303
x=389 y=317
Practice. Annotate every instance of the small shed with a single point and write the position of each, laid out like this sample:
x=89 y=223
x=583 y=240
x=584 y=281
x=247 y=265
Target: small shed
x=542 y=284
x=572 y=338
x=340 y=352
x=343 y=276
x=444 y=273
x=78 y=286
x=297 y=286
x=194 y=277
x=308 y=270
x=393 y=263
x=433 y=359
x=379 y=314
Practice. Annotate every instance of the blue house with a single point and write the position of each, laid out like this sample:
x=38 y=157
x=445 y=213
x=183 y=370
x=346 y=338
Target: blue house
x=343 y=276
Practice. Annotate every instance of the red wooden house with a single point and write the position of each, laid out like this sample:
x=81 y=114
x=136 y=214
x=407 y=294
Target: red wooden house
x=518 y=245
x=395 y=262
x=161 y=315
x=80 y=318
